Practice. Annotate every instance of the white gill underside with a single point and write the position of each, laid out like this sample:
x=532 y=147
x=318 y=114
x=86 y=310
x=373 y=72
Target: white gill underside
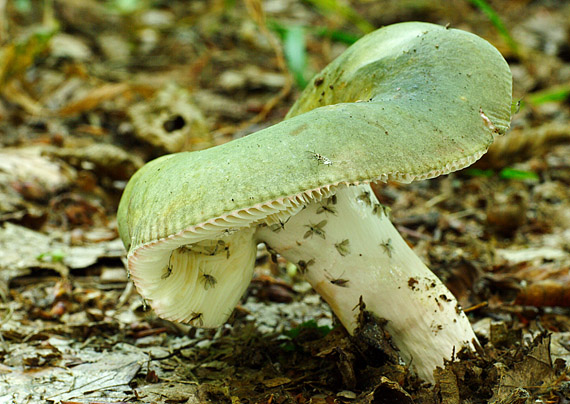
x=202 y=282
x=199 y=275
x=347 y=248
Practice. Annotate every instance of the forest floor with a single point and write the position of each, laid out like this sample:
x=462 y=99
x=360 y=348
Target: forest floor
x=91 y=90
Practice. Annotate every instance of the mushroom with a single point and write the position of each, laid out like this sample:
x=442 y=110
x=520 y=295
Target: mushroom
x=407 y=102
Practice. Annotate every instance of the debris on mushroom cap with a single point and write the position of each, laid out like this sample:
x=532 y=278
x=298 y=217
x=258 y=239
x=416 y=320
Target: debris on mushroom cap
x=425 y=87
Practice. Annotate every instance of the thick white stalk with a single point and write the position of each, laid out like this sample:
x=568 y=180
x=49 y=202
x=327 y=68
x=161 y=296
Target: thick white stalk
x=347 y=248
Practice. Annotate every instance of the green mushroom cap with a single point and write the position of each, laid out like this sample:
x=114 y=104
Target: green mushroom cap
x=409 y=101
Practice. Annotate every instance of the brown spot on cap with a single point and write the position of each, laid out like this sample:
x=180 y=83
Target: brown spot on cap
x=298 y=130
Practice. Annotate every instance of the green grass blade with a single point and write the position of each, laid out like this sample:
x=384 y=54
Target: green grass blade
x=322 y=32
x=552 y=94
x=296 y=53
x=336 y=35
x=497 y=22
x=345 y=11
x=513 y=174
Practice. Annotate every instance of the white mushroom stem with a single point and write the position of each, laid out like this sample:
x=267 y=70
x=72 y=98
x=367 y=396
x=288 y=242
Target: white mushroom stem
x=347 y=248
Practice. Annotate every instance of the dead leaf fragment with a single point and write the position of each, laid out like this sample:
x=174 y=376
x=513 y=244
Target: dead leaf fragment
x=107 y=159
x=372 y=338
x=387 y=392
x=19 y=167
x=276 y=381
x=446 y=383
x=547 y=293
x=170 y=121
x=534 y=372
x=93 y=98
x=517 y=396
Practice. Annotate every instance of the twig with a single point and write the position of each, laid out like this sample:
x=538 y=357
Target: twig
x=476 y=307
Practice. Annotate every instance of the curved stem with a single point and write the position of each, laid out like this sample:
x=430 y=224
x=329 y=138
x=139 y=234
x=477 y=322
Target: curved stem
x=347 y=248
